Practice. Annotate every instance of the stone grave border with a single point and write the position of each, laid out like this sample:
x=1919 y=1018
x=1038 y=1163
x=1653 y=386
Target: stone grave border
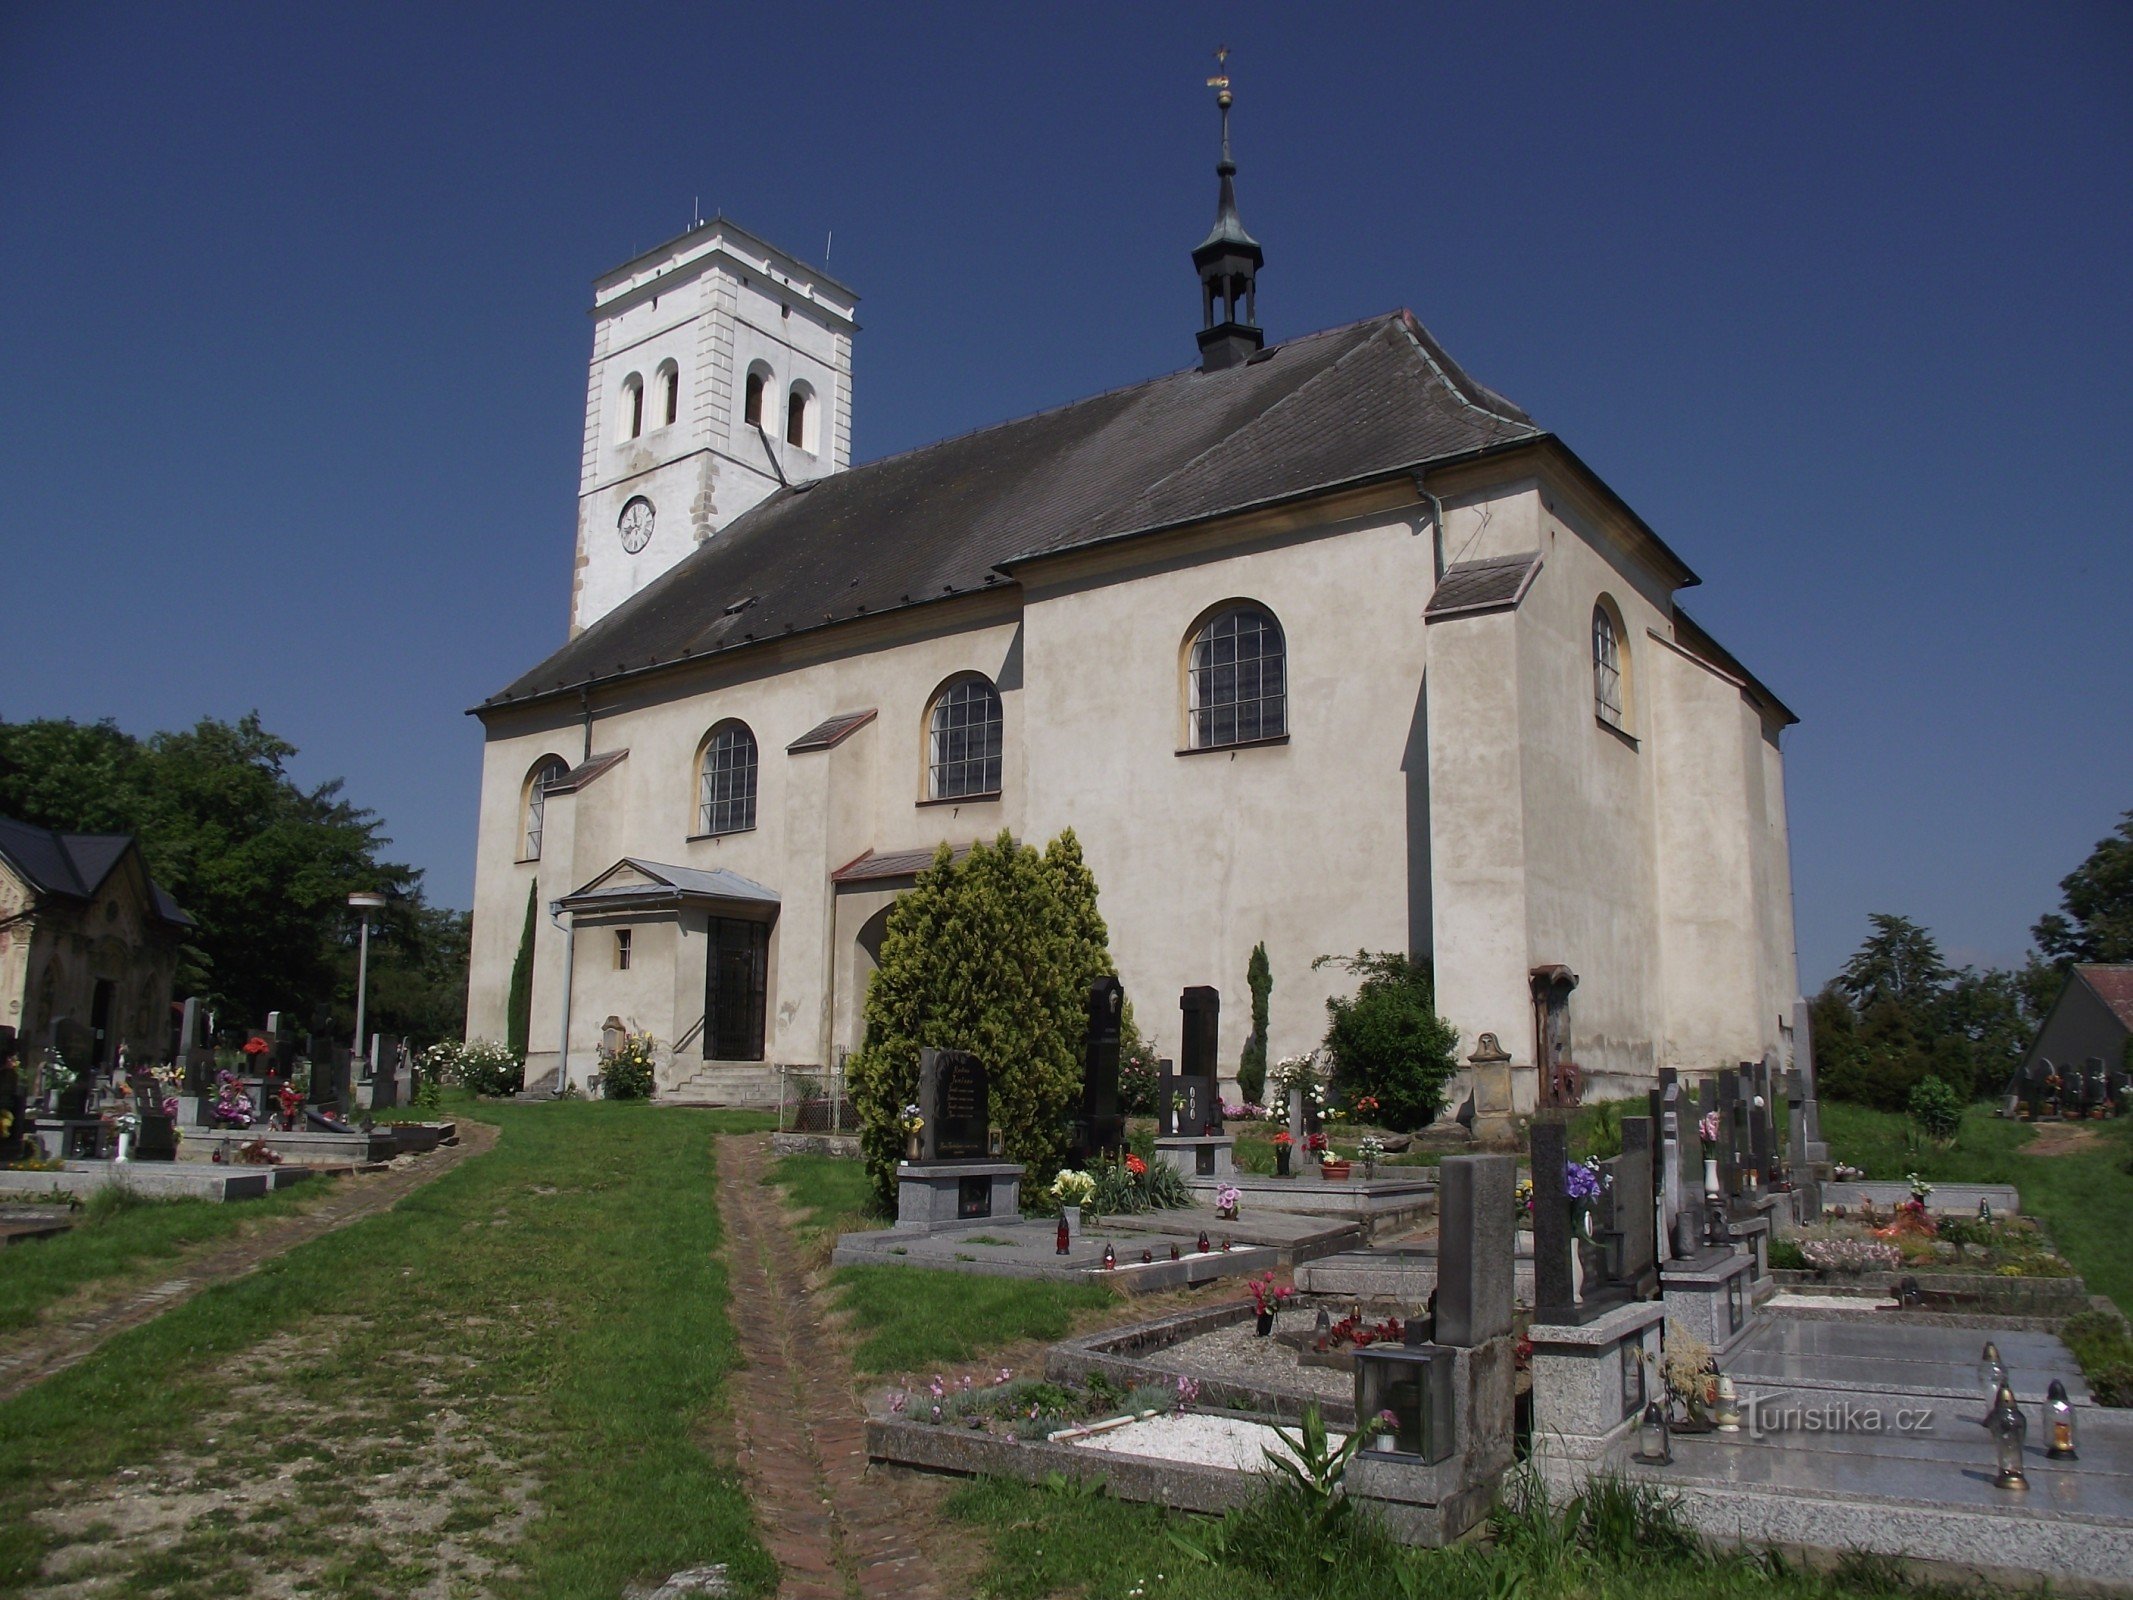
x=1112 y=1353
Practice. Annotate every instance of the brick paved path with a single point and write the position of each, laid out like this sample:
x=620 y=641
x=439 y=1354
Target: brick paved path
x=838 y=1530
x=78 y=1326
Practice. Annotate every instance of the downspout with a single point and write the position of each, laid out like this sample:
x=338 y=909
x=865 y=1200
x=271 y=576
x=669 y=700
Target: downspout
x=1436 y=526
x=585 y=716
x=570 y=942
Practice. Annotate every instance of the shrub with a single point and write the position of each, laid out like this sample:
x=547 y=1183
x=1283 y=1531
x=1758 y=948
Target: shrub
x=1387 y=1040
x=482 y=1066
x=1936 y=1108
x=1139 y=1068
x=518 y=1005
x=626 y=1071
x=2101 y=1343
x=1251 y=1070
x=993 y=954
x=1786 y=1256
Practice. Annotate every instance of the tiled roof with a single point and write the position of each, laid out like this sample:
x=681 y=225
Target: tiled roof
x=2114 y=987
x=873 y=867
x=75 y=864
x=828 y=735
x=668 y=883
x=1351 y=405
x=1496 y=584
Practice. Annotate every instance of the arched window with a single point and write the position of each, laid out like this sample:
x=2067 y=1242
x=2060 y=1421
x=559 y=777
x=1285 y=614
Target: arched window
x=752 y=406
x=670 y=394
x=1237 y=680
x=726 y=783
x=963 y=740
x=545 y=772
x=633 y=404
x=1607 y=696
x=800 y=417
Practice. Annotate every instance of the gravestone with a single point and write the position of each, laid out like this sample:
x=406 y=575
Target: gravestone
x=1474 y=1248
x=1761 y=1131
x=13 y=1100
x=1638 y=1268
x=1803 y=1062
x=1200 y=1052
x=955 y=1099
x=2096 y=1092
x=1729 y=1173
x=77 y=1047
x=1674 y=1179
x=1554 y=1289
x=1101 y=1126
x=2036 y=1085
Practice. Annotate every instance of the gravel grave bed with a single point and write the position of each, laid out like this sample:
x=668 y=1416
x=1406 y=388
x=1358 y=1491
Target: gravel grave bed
x=1236 y=1354
x=1231 y=1442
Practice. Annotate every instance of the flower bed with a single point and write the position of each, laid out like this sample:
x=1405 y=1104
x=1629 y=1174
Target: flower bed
x=1034 y=1408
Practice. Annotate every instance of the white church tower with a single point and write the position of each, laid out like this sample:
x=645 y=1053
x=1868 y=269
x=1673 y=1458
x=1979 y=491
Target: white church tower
x=721 y=368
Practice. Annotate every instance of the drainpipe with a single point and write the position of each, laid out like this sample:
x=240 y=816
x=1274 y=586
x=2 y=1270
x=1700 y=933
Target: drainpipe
x=1436 y=526
x=585 y=716
x=570 y=942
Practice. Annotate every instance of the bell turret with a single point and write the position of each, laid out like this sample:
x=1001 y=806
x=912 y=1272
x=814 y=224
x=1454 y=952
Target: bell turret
x=1228 y=260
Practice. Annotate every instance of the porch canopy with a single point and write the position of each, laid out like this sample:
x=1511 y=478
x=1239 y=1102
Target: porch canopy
x=634 y=884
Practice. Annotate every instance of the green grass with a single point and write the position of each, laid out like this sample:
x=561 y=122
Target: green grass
x=2082 y=1197
x=830 y=1195
x=560 y=1298
x=118 y=1231
x=906 y=1318
x=1072 y=1539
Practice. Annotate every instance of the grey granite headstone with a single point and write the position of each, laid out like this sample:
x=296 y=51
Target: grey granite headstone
x=1761 y=1130
x=1296 y=1116
x=1475 y=1248
x=1670 y=1159
x=1554 y=1292
x=1639 y=1268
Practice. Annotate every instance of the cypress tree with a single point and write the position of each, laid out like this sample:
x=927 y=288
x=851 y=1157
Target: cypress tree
x=1251 y=1071
x=518 y=1018
x=993 y=954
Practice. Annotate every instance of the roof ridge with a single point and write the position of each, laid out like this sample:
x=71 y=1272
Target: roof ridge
x=1231 y=437
x=1430 y=347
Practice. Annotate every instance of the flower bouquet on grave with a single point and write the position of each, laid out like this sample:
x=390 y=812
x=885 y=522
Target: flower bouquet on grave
x=911 y=1124
x=1284 y=1147
x=1372 y=1151
x=232 y=1107
x=1267 y=1298
x=291 y=1100
x=1226 y=1199
x=1690 y=1373
x=54 y=1076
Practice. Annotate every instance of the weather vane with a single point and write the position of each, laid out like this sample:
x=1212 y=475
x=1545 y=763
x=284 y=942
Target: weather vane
x=1220 y=81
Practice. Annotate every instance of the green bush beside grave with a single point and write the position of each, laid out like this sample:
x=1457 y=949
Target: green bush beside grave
x=1387 y=1041
x=993 y=954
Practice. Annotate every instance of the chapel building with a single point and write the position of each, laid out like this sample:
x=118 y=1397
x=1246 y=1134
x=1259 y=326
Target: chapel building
x=1319 y=643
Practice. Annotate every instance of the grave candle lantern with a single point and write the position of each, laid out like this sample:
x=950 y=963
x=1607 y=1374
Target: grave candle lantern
x=1654 y=1438
x=1726 y=1410
x=1201 y=1245
x=1984 y=1210
x=2058 y=1424
x=1061 y=1246
x=1110 y=1256
x=1990 y=1373
x=1408 y=1387
x=2008 y=1427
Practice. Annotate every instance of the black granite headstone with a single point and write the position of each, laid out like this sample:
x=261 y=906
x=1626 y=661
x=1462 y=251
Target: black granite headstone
x=1761 y=1129
x=1199 y=1055
x=1730 y=1176
x=954 y=1098
x=1639 y=1269
x=1101 y=1125
x=1554 y=1290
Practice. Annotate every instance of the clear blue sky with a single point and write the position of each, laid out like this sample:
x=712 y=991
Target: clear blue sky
x=293 y=333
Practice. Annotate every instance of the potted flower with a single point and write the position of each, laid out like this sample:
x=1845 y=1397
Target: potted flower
x=1073 y=1190
x=911 y=1123
x=1332 y=1165
x=1226 y=1198
x=1284 y=1145
x=1365 y=1107
x=1267 y=1299
x=1522 y=1220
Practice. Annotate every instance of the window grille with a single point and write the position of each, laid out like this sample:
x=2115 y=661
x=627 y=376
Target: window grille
x=726 y=801
x=966 y=740
x=1239 y=680
x=1606 y=669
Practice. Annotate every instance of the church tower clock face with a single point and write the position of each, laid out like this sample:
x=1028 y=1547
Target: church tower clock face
x=636 y=525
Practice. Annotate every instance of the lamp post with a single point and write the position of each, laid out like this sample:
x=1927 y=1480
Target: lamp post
x=365 y=902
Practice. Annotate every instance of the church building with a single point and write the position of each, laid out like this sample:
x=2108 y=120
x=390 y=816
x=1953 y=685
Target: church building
x=1320 y=643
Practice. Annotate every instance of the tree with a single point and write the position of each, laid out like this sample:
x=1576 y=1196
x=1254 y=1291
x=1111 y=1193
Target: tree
x=2098 y=899
x=1251 y=1071
x=1386 y=1040
x=518 y=1006
x=993 y=954
x=1900 y=961
x=262 y=864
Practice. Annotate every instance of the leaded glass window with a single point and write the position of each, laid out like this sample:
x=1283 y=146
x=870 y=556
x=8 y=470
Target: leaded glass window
x=1606 y=669
x=965 y=740
x=1238 y=680
x=726 y=799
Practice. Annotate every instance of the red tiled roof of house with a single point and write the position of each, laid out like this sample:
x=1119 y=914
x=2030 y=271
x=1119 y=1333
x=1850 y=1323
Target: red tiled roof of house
x=2114 y=987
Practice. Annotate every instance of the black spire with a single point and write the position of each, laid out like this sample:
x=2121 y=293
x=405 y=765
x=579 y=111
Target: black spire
x=1228 y=259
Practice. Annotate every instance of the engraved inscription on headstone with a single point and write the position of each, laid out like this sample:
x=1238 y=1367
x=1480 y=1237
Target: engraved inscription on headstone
x=953 y=1097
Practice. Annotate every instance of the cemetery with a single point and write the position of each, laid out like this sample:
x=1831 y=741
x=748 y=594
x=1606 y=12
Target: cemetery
x=260 y=1110
x=1789 y=1361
